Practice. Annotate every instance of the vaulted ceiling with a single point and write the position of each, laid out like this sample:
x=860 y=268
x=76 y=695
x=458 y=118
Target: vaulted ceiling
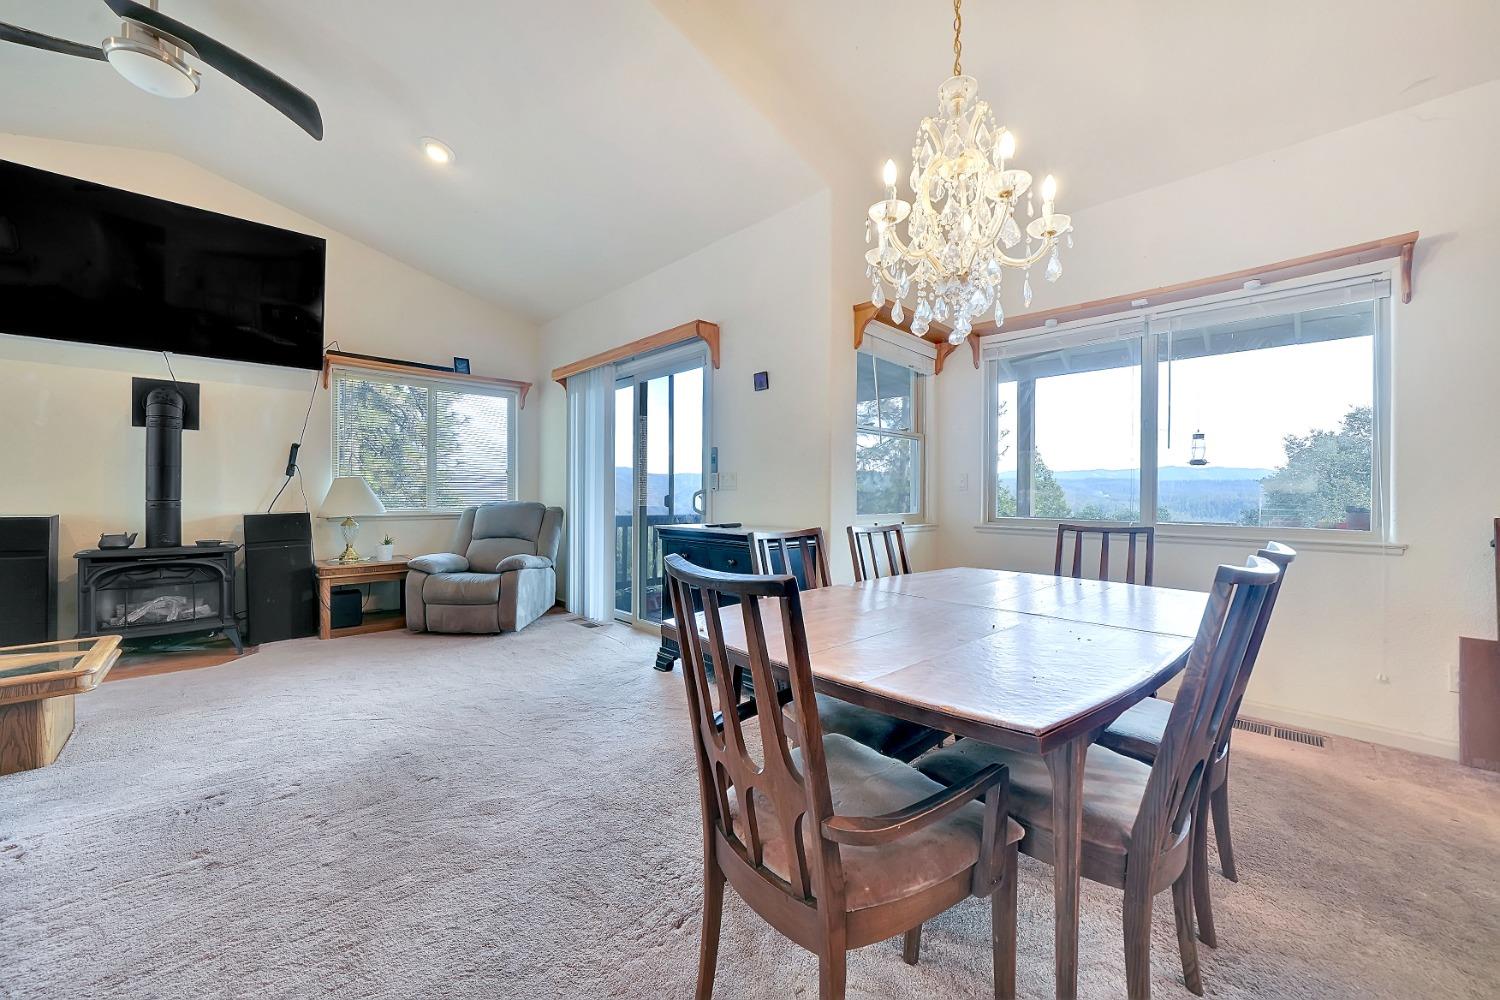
x=1113 y=97
x=594 y=142
x=600 y=139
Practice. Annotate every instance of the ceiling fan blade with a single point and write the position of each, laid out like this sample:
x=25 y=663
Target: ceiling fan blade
x=37 y=40
x=252 y=76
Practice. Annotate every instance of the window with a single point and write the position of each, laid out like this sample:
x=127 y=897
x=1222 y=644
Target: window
x=1257 y=410
x=1075 y=412
x=424 y=444
x=888 y=439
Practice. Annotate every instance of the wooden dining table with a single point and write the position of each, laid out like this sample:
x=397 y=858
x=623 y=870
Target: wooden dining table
x=1030 y=662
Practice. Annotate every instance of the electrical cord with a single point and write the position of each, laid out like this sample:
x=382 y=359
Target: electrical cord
x=297 y=470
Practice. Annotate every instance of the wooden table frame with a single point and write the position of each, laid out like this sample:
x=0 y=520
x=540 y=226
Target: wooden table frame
x=36 y=710
x=332 y=573
x=1062 y=744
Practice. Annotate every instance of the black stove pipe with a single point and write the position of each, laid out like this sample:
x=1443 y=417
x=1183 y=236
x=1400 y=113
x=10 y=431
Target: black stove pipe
x=164 y=412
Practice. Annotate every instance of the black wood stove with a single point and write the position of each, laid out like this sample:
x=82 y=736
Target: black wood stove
x=166 y=587
x=158 y=591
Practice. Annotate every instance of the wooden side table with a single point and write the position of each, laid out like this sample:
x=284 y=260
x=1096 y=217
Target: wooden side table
x=332 y=573
x=37 y=686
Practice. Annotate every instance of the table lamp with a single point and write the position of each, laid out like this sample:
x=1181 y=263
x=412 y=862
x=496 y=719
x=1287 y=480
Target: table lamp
x=350 y=497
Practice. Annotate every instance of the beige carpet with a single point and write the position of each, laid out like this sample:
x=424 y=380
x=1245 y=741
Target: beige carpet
x=401 y=816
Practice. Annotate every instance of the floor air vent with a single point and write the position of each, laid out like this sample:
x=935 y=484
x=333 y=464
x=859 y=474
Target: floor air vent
x=585 y=622
x=1280 y=732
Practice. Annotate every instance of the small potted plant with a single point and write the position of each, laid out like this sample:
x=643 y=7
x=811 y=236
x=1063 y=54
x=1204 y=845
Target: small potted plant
x=386 y=548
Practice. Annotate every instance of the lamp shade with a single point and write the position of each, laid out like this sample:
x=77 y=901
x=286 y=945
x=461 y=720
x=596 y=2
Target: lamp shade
x=351 y=496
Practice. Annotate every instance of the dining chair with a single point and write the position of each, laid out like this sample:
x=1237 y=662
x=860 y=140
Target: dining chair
x=1138 y=733
x=1138 y=818
x=862 y=541
x=1104 y=531
x=831 y=843
x=906 y=741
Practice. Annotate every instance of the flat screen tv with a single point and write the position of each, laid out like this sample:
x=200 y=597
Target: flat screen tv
x=96 y=265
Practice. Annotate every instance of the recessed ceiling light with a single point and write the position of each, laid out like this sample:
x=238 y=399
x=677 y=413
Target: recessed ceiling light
x=437 y=151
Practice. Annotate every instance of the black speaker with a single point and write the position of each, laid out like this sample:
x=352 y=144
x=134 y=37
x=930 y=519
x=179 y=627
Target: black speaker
x=281 y=587
x=347 y=607
x=28 y=580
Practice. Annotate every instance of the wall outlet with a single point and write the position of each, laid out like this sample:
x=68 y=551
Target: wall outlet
x=963 y=482
x=1382 y=678
x=1453 y=677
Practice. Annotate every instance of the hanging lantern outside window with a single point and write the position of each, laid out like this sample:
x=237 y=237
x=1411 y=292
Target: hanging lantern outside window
x=1200 y=449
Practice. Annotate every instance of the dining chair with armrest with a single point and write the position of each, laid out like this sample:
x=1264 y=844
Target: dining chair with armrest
x=1138 y=733
x=831 y=843
x=906 y=741
x=1138 y=818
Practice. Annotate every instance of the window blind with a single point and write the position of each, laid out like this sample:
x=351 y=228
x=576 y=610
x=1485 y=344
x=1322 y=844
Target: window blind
x=424 y=444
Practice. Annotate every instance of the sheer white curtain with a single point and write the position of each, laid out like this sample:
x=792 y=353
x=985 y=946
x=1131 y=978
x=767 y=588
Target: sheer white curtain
x=591 y=493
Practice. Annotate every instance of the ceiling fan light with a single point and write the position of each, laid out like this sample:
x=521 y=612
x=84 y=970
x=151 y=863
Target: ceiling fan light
x=155 y=68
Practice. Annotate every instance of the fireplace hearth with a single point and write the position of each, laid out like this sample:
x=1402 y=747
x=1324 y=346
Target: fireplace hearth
x=158 y=591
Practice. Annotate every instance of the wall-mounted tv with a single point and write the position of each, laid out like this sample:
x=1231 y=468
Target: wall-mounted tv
x=96 y=265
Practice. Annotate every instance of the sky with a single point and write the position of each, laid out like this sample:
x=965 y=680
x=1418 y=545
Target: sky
x=685 y=429
x=1244 y=403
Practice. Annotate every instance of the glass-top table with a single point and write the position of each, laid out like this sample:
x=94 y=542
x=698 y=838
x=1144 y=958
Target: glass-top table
x=37 y=686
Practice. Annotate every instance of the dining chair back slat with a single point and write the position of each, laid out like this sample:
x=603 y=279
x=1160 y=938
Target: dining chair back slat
x=863 y=543
x=1281 y=556
x=1105 y=532
x=773 y=550
x=1201 y=709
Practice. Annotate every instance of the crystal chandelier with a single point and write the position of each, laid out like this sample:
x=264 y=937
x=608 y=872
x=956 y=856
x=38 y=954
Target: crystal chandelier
x=962 y=219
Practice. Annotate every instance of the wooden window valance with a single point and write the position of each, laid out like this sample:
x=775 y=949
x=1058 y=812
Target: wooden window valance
x=342 y=359
x=1402 y=246
x=696 y=330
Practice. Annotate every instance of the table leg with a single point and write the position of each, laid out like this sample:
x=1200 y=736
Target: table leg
x=33 y=733
x=325 y=604
x=1065 y=764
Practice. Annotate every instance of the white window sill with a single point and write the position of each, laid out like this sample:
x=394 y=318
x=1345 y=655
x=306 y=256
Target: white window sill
x=910 y=527
x=1302 y=539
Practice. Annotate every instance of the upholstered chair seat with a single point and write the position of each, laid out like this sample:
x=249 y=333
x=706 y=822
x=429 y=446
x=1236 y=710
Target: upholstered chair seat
x=499 y=574
x=866 y=783
x=1113 y=786
x=905 y=741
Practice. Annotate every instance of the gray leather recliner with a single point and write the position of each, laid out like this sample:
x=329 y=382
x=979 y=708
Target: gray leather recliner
x=499 y=575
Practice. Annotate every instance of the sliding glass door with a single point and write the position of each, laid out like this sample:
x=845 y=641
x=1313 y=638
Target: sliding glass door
x=661 y=446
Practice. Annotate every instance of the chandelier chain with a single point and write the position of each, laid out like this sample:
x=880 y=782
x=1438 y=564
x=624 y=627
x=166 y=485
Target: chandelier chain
x=958 y=44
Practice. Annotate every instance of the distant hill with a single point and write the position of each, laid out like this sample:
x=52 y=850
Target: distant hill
x=1170 y=472
x=1212 y=494
x=657 y=487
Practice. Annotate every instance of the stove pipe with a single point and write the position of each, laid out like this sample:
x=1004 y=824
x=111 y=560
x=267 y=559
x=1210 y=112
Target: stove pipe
x=164 y=412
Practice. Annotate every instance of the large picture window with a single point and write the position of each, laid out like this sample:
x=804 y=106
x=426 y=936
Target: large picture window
x=1261 y=410
x=888 y=439
x=424 y=444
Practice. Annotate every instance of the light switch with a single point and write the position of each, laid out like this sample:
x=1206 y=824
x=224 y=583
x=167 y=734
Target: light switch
x=963 y=482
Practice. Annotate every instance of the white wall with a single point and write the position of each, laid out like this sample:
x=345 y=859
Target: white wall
x=767 y=288
x=68 y=447
x=1344 y=618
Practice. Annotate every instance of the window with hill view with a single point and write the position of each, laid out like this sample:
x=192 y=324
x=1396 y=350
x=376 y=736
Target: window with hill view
x=888 y=439
x=424 y=444
x=1281 y=388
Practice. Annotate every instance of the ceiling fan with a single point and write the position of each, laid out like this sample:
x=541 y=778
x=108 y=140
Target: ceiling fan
x=149 y=53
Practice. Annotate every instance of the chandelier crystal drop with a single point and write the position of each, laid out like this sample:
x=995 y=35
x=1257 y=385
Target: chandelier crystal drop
x=962 y=220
